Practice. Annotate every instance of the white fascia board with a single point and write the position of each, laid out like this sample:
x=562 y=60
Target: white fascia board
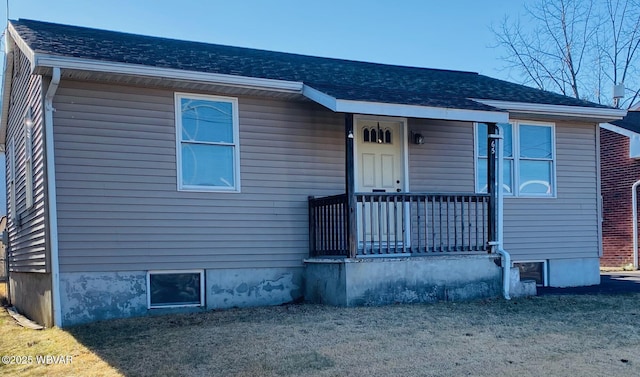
x=402 y=110
x=619 y=130
x=320 y=97
x=634 y=138
x=22 y=45
x=555 y=110
x=43 y=60
x=6 y=94
x=10 y=45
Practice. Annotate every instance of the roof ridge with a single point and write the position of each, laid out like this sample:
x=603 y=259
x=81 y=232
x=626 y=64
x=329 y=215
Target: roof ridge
x=282 y=53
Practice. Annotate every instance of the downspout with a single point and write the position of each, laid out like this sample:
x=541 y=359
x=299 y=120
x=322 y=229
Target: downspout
x=634 y=209
x=52 y=198
x=496 y=245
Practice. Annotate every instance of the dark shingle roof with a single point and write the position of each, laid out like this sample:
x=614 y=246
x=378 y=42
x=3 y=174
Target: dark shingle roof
x=342 y=79
x=630 y=122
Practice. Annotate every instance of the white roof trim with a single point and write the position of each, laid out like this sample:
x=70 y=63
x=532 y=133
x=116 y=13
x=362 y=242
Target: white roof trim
x=42 y=60
x=619 y=130
x=402 y=110
x=634 y=138
x=6 y=90
x=556 y=110
x=22 y=45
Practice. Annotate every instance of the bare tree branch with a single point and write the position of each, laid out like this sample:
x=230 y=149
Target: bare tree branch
x=576 y=47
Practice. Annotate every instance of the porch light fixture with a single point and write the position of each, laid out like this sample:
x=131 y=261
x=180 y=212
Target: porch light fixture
x=350 y=135
x=417 y=138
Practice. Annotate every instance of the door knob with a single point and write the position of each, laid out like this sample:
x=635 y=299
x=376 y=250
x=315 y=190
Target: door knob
x=398 y=190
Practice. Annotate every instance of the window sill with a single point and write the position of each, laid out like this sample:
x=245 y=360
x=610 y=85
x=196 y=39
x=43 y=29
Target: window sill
x=207 y=189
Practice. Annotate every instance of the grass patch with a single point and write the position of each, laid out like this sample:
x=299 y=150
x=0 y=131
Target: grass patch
x=591 y=335
x=4 y=294
x=23 y=343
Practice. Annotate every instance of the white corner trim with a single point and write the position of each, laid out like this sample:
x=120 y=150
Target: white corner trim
x=557 y=110
x=43 y=60
x=402 y=110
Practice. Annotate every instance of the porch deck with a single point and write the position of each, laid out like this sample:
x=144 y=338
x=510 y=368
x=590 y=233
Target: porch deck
x=389 y=224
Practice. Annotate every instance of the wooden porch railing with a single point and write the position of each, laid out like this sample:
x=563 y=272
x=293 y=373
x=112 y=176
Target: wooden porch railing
x=328 y=226
x=400 y=223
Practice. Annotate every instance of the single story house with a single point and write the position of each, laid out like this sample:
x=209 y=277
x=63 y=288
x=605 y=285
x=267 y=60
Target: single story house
x=149 y=175
x=620 y=171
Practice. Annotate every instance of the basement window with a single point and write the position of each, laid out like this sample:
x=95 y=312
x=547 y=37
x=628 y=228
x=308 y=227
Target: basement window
x=170 y=289
x=532 y=271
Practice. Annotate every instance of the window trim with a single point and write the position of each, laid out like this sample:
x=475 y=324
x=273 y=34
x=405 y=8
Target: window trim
x=168 y=272
x=12 y=179
x=178 y=96
x=28 y=166
x=515 y=179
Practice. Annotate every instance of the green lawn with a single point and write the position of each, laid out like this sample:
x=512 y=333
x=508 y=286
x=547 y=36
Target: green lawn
x=551 y=335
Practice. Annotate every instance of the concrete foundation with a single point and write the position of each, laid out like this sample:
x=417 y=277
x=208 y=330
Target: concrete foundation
x=93 y=296
x=88 y=297
x=574 y=272
x=31 y=296
x=382 y=281
x=253 y=287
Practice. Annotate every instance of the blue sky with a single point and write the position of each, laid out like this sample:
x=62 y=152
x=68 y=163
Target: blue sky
x=450 y=35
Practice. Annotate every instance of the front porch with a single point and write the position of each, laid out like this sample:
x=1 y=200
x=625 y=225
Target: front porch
x=409 y=247
x=379 y=243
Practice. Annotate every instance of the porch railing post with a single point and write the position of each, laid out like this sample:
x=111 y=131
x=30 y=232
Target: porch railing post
x=352 y=241
x=312 y=227
x=493 y=134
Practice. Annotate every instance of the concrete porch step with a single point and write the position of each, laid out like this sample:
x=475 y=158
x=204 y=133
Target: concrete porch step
x=521 y=288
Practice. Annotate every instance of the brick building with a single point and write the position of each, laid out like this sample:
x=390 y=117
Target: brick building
x=620 y=170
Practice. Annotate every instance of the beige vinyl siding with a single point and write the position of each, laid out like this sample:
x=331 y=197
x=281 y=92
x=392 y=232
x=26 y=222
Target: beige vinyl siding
x=27 y=236
x=534 y=228
x=566 y=226
x=118 y=204
x=444 y=163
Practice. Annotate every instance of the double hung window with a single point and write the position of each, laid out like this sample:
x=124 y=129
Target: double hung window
x=207 y=143
x=528 y=159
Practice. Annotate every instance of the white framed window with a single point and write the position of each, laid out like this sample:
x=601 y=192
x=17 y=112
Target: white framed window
x=529 y=160
x=175 y=288
x=28 y=165
x=207 y=138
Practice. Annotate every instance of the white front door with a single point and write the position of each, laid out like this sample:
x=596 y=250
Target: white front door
x=380 y=169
